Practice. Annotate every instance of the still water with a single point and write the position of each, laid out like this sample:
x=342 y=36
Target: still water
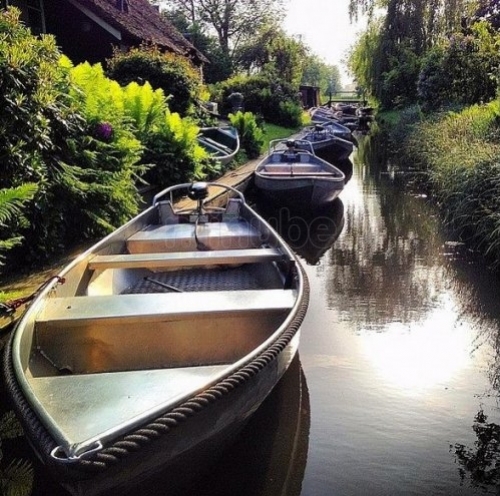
x=399 y=350
x=395 y=390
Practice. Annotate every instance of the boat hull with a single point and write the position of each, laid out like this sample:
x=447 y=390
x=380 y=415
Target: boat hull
x=297 y=177
x=185 y=446
x=90 y=415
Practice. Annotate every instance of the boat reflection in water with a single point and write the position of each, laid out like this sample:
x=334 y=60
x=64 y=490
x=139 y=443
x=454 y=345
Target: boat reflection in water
x=269 y=459
x=269 y=456
x=310 y=233
x=346 y=166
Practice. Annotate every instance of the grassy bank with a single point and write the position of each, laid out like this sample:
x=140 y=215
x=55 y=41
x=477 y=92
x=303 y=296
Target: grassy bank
x=272 y=131
x=460 y=153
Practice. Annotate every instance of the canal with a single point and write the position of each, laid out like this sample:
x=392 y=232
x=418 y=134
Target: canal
x=395 y=389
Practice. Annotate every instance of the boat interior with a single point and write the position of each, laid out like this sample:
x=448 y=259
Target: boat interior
x=214 y=146
x=218 y=141
x=290 y=169
x=199 y=288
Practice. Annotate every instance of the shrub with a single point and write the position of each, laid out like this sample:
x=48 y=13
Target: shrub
x=175 y=152
x=134 y=109
x=11 y=201
x=82 y=175
x=175 y=75
x=170 y=151
x=251 y=135
x=276 y=102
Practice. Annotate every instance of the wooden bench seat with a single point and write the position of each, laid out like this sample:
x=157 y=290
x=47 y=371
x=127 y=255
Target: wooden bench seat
x=158 y=307
x=184 y=259
x=214 y=144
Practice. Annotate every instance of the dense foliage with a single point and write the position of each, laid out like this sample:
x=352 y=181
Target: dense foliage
x=432 y=52
x=170 y=151
x=250 y=133
x=78 y=144
x=463 y=69
x=45 y=140
x=175 y=75
x=274 y=54
x=274 y=100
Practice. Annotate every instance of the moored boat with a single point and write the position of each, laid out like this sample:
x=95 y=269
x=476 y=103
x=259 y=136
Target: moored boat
x=326 y=144
x=152 y=349
x=221 y=142
x=326 y=114
x=292 y=175
x=322 y=114
x=338 y=129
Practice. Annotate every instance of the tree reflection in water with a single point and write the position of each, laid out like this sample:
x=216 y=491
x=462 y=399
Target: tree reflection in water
x=482 y=462
x=386 y=265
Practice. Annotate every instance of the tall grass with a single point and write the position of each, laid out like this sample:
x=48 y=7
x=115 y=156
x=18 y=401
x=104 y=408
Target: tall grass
x=461 y=154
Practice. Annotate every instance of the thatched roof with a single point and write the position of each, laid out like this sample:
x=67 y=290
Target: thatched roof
x=141 y=21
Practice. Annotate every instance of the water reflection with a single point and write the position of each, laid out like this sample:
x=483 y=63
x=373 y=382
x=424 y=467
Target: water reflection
x=390 y=241
x=402 y=349
x=481 y=464
x=310 y=233
x=269 y=459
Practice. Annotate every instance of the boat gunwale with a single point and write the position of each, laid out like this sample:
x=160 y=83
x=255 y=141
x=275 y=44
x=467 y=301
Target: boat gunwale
x=228 y=131
x=76 y=452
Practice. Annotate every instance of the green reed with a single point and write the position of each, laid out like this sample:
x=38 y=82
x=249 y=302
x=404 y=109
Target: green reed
x=460 y=151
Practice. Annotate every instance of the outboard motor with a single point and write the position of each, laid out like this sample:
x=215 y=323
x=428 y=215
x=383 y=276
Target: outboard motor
x=198 y=192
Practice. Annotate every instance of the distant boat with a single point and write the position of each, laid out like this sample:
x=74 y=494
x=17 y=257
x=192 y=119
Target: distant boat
x=326 y=114
x=291 y=174
x=338 y=129
x=151 y=350
x=325 y=143
x=221 y=142
x=322 y=114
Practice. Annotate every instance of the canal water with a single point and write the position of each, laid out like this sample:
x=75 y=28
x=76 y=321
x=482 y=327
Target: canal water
x=395 y=389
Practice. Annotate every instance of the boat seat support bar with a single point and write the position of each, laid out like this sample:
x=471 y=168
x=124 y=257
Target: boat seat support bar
x=184 y=259
x=160 y=307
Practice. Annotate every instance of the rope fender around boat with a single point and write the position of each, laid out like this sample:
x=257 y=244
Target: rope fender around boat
x=131 y=443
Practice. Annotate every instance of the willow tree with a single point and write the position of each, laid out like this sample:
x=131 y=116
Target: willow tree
x=397 y=40
x=422 y=21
